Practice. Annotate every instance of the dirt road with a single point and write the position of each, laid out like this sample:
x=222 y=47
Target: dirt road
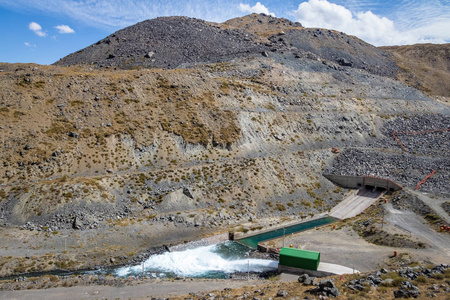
x=434 y=203
x=143 y=291
x=414 y=224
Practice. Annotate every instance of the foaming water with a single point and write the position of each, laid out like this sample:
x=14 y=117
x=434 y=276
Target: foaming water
x=215 y=261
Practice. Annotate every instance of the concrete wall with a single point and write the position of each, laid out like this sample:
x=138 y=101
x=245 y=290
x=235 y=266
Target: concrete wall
x=235 y=236
x=299 y=271
x=357 y=182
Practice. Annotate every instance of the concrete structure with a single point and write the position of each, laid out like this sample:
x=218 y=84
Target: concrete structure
x=355 y=204
x=235 y=236
x=370 y=182
x=324 y=270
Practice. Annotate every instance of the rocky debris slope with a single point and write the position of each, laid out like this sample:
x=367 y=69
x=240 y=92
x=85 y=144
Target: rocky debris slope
x=166 y=42
x=427 y=140
x=401 y=278
x=340 y=48
x=422 y=134
x=172 y=42
x=134 y=140
x=325 y=288
x=262 y=25
x=406 y=169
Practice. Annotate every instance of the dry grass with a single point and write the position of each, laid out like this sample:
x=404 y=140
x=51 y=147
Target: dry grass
x=425 y=67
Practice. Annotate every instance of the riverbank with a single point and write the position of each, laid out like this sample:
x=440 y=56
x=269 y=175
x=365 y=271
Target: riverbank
x=25 y=251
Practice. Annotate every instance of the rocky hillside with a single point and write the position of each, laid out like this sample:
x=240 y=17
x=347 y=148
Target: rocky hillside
x=176 y=120
x=172 y=42
x=318 y=43
x=167 y=42
x=262 y=25
x=424 y=66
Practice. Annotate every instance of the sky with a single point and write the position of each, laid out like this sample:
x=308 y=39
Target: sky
x=43 y=31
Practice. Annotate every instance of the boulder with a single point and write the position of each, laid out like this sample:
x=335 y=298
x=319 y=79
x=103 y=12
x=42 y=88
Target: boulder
x=77 y=223
x=187 y=192
x=302 y=278
x=150 y=54
x=309 y=281
x=73 y=134
x=326 y=283
x=282 y=293
x=402 y=293
x=327 y=288
x=344 y=62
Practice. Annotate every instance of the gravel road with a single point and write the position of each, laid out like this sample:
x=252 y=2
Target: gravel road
x=157 y=289
x=415 y=224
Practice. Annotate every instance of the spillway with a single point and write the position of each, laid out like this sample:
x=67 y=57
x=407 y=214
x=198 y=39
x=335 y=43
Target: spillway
x=214 y=261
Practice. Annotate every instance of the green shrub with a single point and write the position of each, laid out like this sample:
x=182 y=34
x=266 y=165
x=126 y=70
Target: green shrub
x=280 y=207
x=438 y=276
x=398 y=281
x=421 y=279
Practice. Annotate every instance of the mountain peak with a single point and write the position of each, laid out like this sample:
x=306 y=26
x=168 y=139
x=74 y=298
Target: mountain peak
x=166 y=42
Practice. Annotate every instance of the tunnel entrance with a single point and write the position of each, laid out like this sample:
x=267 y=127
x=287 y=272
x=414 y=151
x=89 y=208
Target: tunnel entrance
x=368 y=182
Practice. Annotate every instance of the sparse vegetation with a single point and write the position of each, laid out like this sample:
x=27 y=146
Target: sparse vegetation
x=127 y=151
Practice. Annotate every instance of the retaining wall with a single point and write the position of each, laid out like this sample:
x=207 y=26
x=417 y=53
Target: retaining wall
x=357 y=182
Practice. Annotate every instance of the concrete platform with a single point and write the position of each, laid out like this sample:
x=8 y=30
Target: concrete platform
x=336 y=269
x=324 y=270
x=355 y=204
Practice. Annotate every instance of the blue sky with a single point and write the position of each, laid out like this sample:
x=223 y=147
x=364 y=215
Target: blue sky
x=46 y=30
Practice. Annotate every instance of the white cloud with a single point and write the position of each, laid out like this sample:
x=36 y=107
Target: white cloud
x=107 y=14
x=30 y=45
x=374 y=29
x=377 y=21
x=258 y=8
x=64 y=29
x=36 y=28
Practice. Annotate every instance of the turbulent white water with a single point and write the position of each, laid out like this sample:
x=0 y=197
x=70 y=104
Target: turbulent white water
x=199 y=262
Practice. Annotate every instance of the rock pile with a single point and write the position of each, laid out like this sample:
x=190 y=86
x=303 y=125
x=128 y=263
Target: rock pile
x=80 y=218
x=413 y=273
x=406 y=201
x=306 y=279
x=402 y=279
x=167 y=42
x=421 y=142
x=426 y=151
x=172 y=42
x=407 y=290
x=325 y=288
x=406 y=169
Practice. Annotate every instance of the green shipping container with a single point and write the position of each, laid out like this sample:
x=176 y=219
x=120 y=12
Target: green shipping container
x=298 y=258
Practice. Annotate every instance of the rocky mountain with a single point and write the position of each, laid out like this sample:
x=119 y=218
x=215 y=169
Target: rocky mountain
x=167 y=42
x=173 y=42
x=193 y=127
